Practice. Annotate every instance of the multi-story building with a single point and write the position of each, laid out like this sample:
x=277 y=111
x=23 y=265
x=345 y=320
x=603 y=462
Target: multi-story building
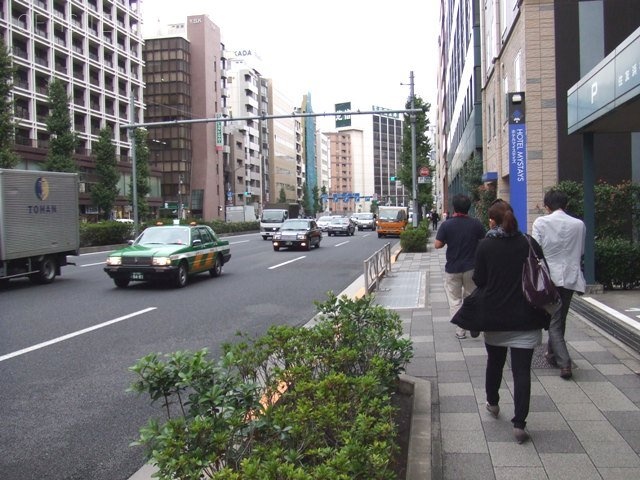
x=459 y=109
x=95 y=48
x=309 y=149
x=323 y=157
x=537 y=50
x=285 y=148
x=368 y=150
x=185 y=79
x=249 y=99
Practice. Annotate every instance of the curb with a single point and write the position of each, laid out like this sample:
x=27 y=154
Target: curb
x=419 y=455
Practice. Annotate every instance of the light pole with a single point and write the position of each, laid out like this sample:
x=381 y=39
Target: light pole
x=414 y=167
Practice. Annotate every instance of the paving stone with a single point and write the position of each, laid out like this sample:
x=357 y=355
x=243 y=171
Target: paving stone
x=613 y=369
x=547 y=421
x=453 y=376
x=463 y=441
x=607 y=397
x=449 y=356
x=521 y=473
x=540 y=403
x=449 y=389
x=619 y=473
x=460 y=421
x=625 y=381
x=600 y=358
x=510 y=454
x=469 y=466
x=466 y=404
x=632 y=437
x=624 y=420
x=554 y=441
x=451 y=365
x=585 y=346
x=611 y=454
x=579 y=411
x=569 y=466
x=497 y=430
x=594 y=431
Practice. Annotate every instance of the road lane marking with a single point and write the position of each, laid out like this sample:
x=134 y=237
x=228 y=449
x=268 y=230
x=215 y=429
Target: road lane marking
x=241 y=241
x=73 y=334
x=341 y=243
x=93 y=264
x=286 y=263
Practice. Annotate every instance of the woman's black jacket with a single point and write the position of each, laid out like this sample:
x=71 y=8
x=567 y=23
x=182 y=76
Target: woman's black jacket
x=497 y=304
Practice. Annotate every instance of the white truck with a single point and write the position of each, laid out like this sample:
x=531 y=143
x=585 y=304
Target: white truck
x=39 y=224
x=273 y=216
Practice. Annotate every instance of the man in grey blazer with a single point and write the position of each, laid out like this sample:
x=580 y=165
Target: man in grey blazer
x=562 y=238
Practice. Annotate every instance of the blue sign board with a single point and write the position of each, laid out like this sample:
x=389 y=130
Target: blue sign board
x=518 y=158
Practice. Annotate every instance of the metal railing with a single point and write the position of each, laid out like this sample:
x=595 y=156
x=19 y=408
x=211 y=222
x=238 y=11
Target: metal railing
x=376 y=266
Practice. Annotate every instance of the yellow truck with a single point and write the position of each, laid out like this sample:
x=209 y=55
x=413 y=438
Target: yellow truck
x=391 y=220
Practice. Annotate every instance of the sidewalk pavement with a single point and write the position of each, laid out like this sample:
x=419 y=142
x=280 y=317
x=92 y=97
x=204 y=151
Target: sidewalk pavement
x=584 y=428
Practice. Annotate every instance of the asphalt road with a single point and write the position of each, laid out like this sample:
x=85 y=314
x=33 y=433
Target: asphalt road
x=65 y=348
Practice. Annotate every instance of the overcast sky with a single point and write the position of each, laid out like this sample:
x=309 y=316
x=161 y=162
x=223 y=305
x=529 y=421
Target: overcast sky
x=337 y=50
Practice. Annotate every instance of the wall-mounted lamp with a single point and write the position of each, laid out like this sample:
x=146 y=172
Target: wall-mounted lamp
x=516 y=98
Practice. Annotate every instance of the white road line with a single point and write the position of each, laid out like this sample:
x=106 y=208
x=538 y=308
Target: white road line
x=286 y=263
x=341 y=243
x=241 y=241
x=93 y=264
x=71 y=335
x=623 y=318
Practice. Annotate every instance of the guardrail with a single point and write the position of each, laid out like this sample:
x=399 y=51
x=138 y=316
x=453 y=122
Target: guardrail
x=376 y=266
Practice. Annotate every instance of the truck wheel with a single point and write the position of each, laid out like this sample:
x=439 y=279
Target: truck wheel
x=47 y=271
x=182 y=275
x=379 y=235
x=216 y=271
x=121 y=282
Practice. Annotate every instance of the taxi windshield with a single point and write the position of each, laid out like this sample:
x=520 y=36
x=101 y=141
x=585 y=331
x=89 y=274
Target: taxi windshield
x=295 y=225
x=164 y=235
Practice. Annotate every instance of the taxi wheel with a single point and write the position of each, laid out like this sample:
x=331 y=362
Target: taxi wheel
x=181 y=275
x=121 y=282
x=216 y=271
x=276 y=249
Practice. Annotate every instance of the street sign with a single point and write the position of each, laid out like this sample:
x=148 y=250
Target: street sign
x=424 y=172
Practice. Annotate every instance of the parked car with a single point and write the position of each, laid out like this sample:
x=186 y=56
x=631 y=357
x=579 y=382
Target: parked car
x=169 y=253
x=323 y=222
x=297 y=233
x=365 y=221
x=341 y=226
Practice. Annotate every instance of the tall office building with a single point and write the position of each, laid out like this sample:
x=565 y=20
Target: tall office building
x=185 y=79
x=95 y=48
x=373 y=146
x=285 y=149
x=249 y=99
x=459 y=109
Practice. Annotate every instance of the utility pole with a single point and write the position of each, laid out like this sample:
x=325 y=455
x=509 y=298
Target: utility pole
x=134 y=179
x=414 y=187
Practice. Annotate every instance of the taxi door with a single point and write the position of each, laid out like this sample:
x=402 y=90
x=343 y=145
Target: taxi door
x=203 y=258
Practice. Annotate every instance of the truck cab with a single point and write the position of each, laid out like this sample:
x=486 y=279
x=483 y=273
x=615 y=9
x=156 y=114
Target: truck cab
x=271 y=220
x=391 y=220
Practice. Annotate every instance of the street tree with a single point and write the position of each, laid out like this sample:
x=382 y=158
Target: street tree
x=317 y=201
x=423 y=155
x=282 y=198
x=142 y=173
x=105 y=191
x=62 y=139
x=8 y=158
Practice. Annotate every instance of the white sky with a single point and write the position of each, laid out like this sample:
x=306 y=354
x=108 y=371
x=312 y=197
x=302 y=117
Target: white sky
x=299 y=41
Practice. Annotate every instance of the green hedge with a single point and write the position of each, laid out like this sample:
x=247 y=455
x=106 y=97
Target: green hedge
x=295 y=404
x=115 y=233
x=617 y=263
x=414 y=239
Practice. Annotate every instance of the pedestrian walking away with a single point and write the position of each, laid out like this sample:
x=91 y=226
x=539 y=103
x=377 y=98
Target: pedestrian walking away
x=435 y=218
x=499 y=309
x=562 y=238
x=461 y=235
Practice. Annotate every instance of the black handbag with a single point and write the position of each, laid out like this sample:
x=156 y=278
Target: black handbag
x=537 y=287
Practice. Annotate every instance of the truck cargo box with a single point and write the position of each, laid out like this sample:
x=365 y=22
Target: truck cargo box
x=38 y=213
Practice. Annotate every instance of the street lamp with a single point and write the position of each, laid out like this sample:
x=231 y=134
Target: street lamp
x=412 y=118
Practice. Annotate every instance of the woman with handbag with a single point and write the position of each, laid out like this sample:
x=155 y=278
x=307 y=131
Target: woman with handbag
x=498 y=308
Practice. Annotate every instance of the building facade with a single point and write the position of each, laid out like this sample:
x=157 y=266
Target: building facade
x=95 y=49
x=185 y=80
x=459 y=109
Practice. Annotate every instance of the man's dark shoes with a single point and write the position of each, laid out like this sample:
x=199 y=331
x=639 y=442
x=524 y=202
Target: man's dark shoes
x=566 y=373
